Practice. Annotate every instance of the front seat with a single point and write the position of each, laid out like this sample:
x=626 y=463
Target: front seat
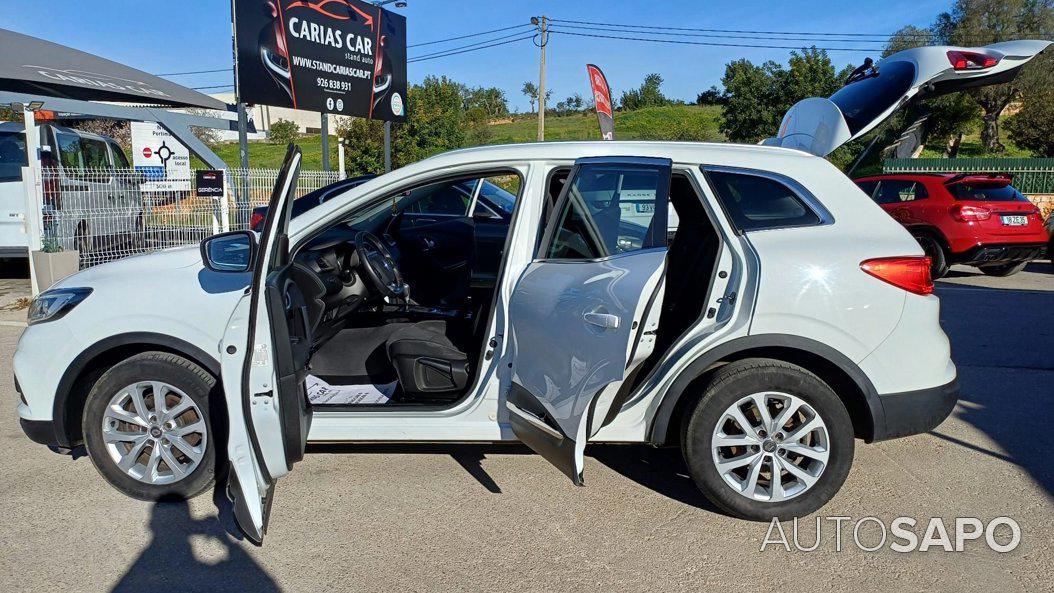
x=428 y=364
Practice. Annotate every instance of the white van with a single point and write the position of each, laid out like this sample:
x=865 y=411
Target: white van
x=86 y=203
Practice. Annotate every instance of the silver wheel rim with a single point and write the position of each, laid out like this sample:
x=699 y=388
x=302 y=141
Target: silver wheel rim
x=770 y=446
x=154 y=432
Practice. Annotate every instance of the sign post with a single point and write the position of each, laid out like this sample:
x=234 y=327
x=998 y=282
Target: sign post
x=159 y=155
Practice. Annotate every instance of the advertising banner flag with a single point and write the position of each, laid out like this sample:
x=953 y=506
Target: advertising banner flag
x=602 y=100
x=346 y=57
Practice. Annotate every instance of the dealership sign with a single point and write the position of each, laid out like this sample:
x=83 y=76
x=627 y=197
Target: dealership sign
x=209 y=183
x=164 y=160
x=336 y=56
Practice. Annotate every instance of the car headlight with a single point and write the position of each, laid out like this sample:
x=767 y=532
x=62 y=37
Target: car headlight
x=53 y=304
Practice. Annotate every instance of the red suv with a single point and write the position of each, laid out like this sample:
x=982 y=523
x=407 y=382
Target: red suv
x=974 y=219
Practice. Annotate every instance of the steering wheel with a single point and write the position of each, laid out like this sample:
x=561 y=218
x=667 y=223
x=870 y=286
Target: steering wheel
x=379 y=265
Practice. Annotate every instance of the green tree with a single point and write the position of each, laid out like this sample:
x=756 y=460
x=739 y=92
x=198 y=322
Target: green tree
x=1033 y=126
x=757 y=97
x=490 y=100
x=649 y=94
x=711 y=96
x=283 y=131
x=974 y=23
x=531 y=91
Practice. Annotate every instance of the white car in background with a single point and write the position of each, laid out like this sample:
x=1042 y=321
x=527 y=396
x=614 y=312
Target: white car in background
x=87 y=204
x=788 y=316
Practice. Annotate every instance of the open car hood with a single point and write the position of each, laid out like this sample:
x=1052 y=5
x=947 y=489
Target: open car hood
x=874 y=92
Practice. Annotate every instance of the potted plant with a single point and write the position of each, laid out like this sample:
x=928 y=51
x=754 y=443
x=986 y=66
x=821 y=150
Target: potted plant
x=52 y=263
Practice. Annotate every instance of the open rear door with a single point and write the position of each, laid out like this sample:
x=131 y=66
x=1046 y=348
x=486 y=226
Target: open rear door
x=587 y=308
x=265 y=353
x=875 y=91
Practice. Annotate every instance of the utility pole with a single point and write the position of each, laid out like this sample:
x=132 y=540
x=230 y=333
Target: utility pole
x=543 y=26
x=241 y=198
x=387 y=146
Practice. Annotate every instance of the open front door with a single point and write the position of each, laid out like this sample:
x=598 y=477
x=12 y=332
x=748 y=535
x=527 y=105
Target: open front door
x=587 y=308
x=875 y=91
x=265 y=353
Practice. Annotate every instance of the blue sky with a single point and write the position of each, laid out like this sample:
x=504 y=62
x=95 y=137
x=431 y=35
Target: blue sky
x=186 y=35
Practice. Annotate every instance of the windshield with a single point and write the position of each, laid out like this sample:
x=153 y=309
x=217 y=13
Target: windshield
x=12 y=156
x=863 y=101
x=983 y=192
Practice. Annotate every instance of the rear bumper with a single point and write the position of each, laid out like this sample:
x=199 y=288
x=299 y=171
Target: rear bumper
x=915 y=412
x=1002 y=254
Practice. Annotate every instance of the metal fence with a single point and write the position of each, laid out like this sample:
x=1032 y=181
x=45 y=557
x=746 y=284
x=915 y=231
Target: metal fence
x=1031 y=176
x=106 y=214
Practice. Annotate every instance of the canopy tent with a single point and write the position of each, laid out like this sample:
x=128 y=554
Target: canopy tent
x=35 y=66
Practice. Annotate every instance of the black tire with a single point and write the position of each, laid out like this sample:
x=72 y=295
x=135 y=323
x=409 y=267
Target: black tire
x=938 y=256
x=1003 y=270
x=743 y=378
x=178 y=372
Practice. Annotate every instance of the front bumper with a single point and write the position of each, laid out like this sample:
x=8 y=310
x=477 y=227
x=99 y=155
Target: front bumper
x=1002 y=254
x=40 y=431
x=915 y=412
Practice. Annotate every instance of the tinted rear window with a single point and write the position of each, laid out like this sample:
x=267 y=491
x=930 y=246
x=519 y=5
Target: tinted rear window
x=986 y=192
x=863 y=101
x=12 y=156
x=755 y=203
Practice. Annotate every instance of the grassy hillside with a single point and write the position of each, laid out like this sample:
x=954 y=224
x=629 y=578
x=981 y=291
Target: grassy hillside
x=678 y=122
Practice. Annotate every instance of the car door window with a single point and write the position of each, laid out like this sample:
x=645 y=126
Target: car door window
x=446 y=198
x=70 y=155
x=608 y=210
x=754 y=202
x=12 y=156
x=895 y=191
x=497 y=196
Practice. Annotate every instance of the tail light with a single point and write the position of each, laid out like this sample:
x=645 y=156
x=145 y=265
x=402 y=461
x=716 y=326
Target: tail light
x=971 y=60
x=255 y=220
x=966 y=213
x=911 y=273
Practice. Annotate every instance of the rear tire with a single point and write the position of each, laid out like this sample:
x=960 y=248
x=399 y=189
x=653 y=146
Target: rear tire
x=935 y=251
x=816 y=436
x=1003 y=270
x=146 y=447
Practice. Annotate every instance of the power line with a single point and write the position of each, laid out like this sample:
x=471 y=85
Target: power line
x=467 y=48
x=469 y=35
x=215 y=86
x=875 y=36
x=713 y=35
x=714 y=43
x=195 y=72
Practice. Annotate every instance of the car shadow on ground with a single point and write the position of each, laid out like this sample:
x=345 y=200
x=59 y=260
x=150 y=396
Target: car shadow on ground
x=660 y=470
x=1003 y=353
x=170 y=564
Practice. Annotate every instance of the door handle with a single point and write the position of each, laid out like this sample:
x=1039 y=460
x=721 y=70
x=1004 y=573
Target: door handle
x=428 y=243
x=604 y=320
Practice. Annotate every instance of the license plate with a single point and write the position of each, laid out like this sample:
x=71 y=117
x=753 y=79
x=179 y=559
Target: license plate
x=645 y=208
x=1015 y=220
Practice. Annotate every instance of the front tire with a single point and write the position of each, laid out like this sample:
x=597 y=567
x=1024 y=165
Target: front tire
x=147 y=427
x=791 y=458
x=1003 y=270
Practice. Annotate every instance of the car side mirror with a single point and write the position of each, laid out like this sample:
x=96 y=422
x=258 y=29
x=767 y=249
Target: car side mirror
x=232 y=252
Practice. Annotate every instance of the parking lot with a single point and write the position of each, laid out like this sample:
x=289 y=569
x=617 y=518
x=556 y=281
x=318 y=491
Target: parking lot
x=440 y=518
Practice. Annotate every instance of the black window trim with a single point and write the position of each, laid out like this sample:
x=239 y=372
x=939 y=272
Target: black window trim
x=807 y=198
x=548 y=230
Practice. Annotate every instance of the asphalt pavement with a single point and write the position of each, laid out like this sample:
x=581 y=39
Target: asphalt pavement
x=494 y=517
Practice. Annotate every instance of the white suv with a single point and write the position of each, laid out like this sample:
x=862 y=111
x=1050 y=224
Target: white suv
x=785 y=316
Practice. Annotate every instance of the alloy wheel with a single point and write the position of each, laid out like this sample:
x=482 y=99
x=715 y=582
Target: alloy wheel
x=770 y=446
x=154 y=432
